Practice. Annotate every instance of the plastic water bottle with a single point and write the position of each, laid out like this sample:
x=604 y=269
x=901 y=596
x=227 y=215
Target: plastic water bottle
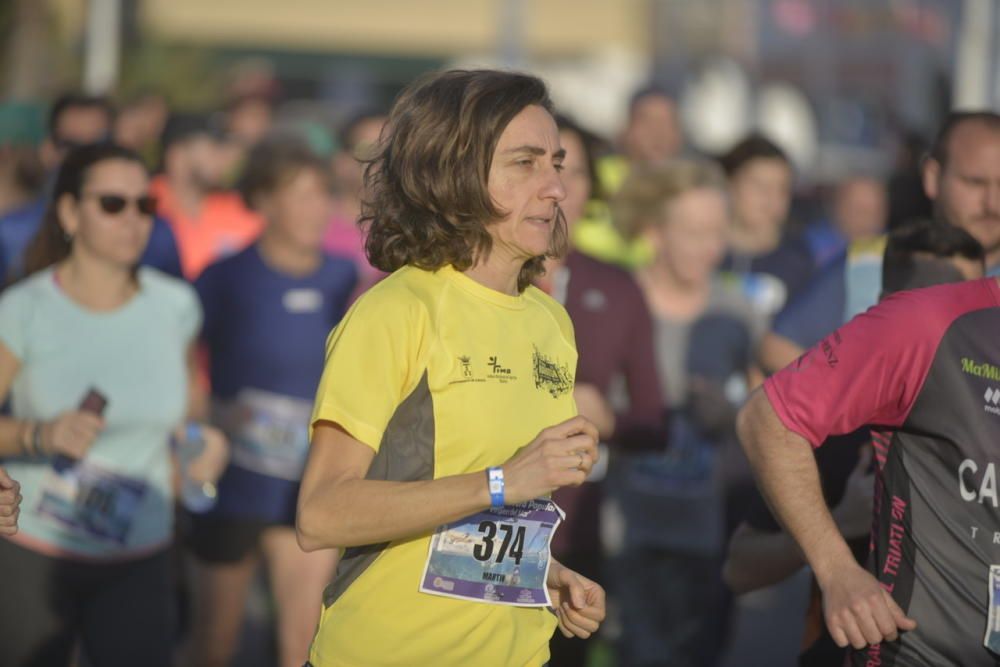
x=197 y=497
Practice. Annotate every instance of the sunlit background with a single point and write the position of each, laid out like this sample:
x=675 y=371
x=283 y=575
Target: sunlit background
x=834 y=82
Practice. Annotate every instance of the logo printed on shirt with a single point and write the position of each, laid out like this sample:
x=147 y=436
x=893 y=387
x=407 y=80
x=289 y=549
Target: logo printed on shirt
x=550 y=375
x=980 y=370
x=594 y=299
x=497 y=367
x=302 y=300
x=982 y=491
x=465 y=372
x=500 y=372
x=992 y=398
x=829 y=346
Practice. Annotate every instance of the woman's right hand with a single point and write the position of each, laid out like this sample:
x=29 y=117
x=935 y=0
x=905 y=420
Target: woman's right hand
x=71 y=433
x=561 y=455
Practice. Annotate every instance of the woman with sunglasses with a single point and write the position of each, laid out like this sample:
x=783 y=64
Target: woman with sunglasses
x=94 y=355
x=268 y=311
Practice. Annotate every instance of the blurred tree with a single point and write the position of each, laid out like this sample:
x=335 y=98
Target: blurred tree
x=26 y=31
x=189 y=76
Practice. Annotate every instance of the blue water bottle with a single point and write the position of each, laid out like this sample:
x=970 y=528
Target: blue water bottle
x=197 y=497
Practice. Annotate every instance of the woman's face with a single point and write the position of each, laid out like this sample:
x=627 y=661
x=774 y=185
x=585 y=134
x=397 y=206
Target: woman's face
x=525 y=183
x=691 y=239
x=106 y=221
x=762 y=194
x=299 y=208
x=575 y=177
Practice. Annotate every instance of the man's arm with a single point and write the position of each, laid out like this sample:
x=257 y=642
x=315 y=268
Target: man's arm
x=762 y=554
x=858 y=611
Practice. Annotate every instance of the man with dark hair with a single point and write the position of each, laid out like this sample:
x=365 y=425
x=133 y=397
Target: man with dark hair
x=925 y=253
x=752 y=147
x=962 y=176
x=771 y=263
x=75 y=120
x=651 y=137
x=653 y=133
x=208 y=223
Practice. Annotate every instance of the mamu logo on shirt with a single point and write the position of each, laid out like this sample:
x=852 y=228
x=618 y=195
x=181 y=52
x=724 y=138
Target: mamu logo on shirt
x=980 y=370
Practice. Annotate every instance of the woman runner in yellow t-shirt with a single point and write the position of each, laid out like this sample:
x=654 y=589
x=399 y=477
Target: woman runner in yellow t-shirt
x=445 y=416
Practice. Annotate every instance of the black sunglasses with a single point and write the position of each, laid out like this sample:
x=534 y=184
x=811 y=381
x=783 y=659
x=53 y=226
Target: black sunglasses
x=114 y=204
x=71 y=144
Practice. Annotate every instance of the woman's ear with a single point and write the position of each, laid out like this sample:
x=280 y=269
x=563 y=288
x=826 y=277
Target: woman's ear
x=69 y=214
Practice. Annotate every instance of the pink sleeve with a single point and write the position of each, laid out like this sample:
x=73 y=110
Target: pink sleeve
x=871 y=370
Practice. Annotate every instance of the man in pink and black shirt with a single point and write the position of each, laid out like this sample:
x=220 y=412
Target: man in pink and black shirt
x=923 y=367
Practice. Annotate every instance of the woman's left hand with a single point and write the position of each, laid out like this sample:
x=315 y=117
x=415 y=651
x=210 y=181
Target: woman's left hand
x=578 y=601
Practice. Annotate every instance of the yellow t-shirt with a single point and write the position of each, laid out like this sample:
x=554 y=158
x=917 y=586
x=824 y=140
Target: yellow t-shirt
x=440 y=376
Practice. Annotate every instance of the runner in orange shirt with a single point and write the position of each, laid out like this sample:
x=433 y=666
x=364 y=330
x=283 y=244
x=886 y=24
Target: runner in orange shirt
x=209 y=223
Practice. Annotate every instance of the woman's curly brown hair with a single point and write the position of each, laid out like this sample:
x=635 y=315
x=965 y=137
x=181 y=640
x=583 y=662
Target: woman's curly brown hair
x=427 y=201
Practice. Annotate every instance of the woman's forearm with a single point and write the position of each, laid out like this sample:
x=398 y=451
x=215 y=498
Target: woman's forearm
x=357 y=512
x=17 y=437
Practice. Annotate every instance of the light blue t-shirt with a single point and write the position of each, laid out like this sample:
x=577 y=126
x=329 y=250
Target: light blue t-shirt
x=863 y=276
x=119 y=499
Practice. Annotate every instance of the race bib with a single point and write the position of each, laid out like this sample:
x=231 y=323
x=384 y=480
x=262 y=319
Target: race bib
x=92 y=502
x=992 y=638
x=269 y=433
x=498 y=556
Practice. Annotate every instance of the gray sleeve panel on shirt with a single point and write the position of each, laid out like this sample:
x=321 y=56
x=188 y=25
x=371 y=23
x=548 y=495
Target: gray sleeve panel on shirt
x=406 y=454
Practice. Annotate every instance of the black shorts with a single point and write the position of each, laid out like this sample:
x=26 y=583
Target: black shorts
x=225 y=539
x=121 y=612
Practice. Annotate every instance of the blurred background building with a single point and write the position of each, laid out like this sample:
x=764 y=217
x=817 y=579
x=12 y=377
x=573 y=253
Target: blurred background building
x=845 y=77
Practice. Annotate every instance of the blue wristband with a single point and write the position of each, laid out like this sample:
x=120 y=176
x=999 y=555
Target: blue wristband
x=494 y=478
x=192 y=431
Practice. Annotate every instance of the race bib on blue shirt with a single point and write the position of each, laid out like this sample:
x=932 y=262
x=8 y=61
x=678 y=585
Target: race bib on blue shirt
x=269 y=433
x=92 y=502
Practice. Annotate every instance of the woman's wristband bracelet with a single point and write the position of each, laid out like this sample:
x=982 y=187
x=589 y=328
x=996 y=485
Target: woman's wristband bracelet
x=36 y=441
x=495 y=481
x=24 y=437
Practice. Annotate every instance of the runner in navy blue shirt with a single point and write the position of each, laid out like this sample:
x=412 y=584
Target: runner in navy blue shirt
x=268 y=311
